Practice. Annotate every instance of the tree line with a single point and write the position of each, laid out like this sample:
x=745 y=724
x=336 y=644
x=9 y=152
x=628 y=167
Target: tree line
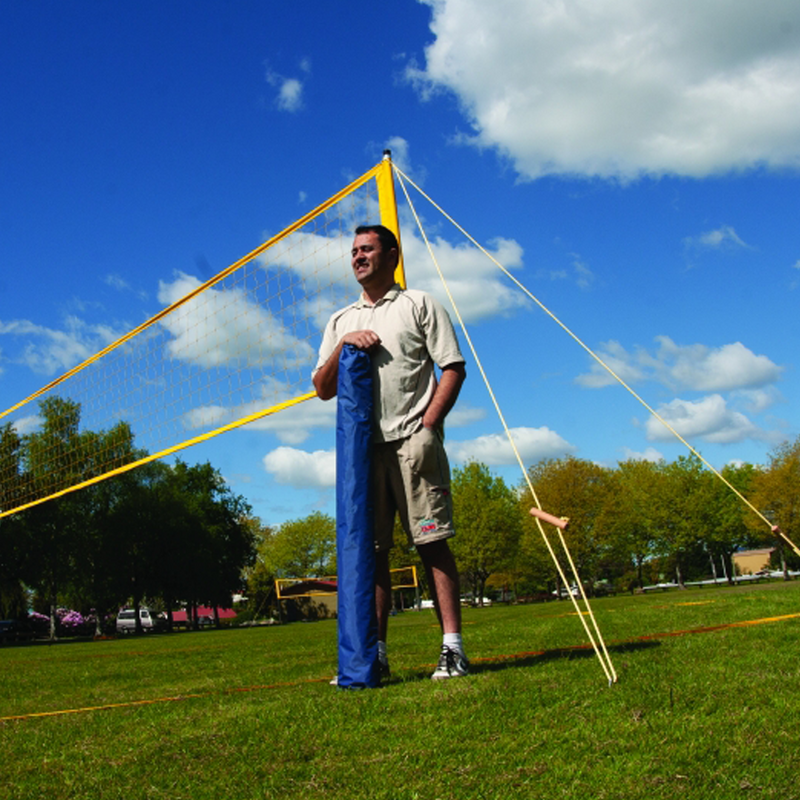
x=635 y=524
x=175 y=533
x=631 y=525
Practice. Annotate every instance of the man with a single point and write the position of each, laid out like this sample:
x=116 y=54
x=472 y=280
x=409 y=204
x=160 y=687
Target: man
x=405 y=332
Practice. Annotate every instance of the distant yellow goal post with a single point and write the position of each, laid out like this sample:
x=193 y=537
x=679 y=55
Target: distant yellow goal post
x=291 y=588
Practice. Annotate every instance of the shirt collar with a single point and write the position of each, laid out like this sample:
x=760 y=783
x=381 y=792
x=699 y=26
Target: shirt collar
x=362 y=302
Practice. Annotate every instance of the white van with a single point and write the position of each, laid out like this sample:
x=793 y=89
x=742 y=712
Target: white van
x=126 y=620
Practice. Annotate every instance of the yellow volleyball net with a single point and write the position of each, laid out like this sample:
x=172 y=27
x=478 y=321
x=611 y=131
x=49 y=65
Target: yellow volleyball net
x=221 y=354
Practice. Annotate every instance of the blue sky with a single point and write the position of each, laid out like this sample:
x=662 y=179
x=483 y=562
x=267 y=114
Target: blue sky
x=635 y=165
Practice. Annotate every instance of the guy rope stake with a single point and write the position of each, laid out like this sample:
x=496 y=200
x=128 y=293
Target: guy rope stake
x=559 y=522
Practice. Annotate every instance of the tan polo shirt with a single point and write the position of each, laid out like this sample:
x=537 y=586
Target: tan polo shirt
x=415 y=332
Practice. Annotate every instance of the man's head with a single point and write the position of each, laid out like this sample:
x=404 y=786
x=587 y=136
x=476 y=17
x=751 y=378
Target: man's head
x=386 y=237
x=374 y=258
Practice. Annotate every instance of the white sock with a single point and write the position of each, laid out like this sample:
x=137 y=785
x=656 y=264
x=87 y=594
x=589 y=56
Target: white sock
x=382 y=651
x=453 y=641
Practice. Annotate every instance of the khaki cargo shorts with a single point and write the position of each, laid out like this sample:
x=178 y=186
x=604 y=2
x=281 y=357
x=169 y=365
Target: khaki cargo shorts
x=412 y=477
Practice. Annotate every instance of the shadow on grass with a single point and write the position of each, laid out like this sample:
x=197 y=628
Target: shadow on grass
x=526 y=660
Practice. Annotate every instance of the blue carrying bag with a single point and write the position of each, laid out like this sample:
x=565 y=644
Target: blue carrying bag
x=355 y=545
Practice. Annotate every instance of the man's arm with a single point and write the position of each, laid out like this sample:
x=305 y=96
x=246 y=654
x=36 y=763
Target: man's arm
x=445 y=395
x=326 y=378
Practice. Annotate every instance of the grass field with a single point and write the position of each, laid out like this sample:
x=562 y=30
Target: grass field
x=249 y=713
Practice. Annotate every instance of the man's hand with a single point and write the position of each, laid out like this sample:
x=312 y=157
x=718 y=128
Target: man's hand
x=326 y=378
x=363 y=340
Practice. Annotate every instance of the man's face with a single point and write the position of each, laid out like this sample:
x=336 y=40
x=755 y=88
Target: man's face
x=371 y=265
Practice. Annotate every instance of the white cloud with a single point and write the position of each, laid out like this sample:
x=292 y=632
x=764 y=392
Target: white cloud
x=758 y=400
x=616 y=358
x=116 y=282
x=463 y=415
x=795 y=281
x=323 y=265
x=223 y=326
x=696 y=367
x=295 y=424
x=302 y=469
x=732 y=366
x=620 y=88
x=578 y=273
x=479 y=289
x=47 y=351
x=723 y=237
x=649 y=454
x=292 y=425
x=25 y=425
x=584 y=277
x=121 y=285
x=709 y=419
x=400 y=153
x=290 y=90
x=494 y=449
x=290 y=95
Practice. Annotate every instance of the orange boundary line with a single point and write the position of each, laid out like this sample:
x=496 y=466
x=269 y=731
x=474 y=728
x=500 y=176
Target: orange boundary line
x=153 y=701
x=479 y=660
x=667 y=634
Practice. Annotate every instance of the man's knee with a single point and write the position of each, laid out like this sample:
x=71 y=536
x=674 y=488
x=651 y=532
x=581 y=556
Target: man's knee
x=436 y=554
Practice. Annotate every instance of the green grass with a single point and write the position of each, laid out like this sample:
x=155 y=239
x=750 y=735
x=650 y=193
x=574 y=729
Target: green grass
x=710 y=714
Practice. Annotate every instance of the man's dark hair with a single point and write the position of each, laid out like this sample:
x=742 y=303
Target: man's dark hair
x=386 y=237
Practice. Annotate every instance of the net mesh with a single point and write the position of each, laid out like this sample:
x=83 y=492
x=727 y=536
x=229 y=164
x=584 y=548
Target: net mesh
x=223 y=353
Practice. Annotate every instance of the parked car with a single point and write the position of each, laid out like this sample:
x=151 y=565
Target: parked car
x=16 y=630
x=573 y=590
x=151 y=621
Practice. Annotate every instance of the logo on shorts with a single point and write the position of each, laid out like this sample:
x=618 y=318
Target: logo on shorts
x=427 y=526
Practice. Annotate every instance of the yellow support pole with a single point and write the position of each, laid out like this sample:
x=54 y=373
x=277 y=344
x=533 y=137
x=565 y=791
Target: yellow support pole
x=384 y=178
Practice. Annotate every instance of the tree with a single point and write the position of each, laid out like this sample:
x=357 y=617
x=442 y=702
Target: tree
x=302 y=547
x=158 y=531
x=12 y=545
x=221 y=521
x=684 y=518
x=776 y=492
x=135 y=516
x=259 y=576
x=577 y=489
x=52 y=458
x=627 y=514
x=486 y=519
x=193 y=538
x=96 y=581
x=730 y=531
x=404 y=555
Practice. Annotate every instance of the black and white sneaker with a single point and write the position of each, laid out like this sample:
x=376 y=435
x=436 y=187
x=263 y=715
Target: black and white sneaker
x=452 y=664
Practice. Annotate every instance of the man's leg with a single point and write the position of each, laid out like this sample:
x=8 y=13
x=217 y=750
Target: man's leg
x=440 y=567
x=383 y=593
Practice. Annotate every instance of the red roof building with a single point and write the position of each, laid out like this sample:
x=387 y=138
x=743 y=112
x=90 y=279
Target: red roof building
x=204 y=611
